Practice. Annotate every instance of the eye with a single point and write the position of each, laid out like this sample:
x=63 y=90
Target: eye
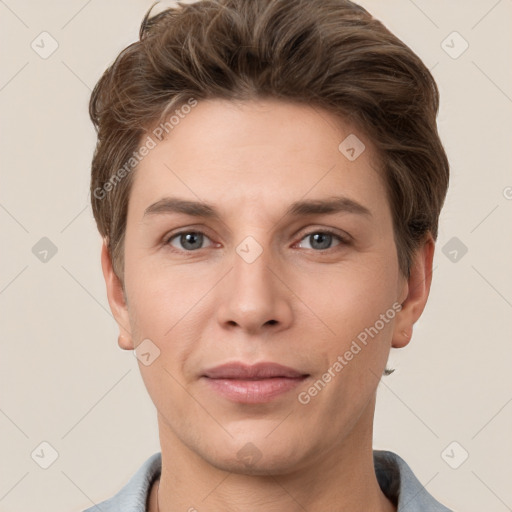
x=321 y=240
x=189 y=240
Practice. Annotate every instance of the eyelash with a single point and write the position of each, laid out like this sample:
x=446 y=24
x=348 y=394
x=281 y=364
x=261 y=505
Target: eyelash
x=343 y=240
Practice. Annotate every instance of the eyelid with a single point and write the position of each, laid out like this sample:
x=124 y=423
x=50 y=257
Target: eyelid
x=309 y=230
x=344 y=238
x=170 y=236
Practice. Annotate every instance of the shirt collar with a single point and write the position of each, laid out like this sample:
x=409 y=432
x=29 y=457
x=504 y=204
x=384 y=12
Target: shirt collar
x=395 y=478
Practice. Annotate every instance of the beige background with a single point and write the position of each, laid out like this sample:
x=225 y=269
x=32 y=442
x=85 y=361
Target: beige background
x=65 y=381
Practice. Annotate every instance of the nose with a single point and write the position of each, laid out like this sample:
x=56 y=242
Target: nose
x=255 y=298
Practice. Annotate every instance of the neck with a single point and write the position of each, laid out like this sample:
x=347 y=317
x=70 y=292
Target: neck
x=341 y=479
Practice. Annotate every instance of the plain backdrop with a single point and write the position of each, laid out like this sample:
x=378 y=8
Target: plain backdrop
x=67 y=384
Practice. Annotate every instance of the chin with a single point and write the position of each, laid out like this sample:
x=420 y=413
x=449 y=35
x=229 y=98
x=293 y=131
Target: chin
x=262 y=467
x=258 y=456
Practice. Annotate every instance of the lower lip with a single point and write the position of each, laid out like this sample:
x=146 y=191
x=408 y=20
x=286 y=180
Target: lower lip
x=254 y=391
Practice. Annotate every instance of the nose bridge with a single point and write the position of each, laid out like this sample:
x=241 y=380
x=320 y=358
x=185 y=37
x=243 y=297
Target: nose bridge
x=254 y=296
x=252 y=278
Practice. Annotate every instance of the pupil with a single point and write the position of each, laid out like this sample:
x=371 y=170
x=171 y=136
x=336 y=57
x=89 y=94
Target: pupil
x=188 y=238
x=322 y=236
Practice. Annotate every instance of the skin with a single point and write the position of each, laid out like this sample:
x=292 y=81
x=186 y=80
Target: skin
x=295 y=304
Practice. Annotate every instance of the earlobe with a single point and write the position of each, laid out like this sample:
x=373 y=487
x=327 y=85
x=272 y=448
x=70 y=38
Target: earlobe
x=116 y=299
x=417 y=291
x=125 y=342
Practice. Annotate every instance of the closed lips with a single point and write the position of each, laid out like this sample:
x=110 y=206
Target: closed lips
x=258 y=371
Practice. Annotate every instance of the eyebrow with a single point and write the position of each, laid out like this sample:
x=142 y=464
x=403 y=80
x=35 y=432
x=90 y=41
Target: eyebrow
x=332 y=205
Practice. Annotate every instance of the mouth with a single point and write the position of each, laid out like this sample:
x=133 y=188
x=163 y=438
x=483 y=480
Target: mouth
x=259 y=383
x=257 y=371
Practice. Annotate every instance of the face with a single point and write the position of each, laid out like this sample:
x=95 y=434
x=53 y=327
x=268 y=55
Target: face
x=258 y=271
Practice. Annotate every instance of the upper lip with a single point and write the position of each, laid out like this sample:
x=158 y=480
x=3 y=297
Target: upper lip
x=257 y=371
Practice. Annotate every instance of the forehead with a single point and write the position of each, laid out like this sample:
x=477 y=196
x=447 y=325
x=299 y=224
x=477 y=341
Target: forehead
x=267 y=152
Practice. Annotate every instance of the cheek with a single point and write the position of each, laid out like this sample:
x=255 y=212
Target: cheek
x=346 y=301
x=158 y=294
x=160 y=310
x=167 y=306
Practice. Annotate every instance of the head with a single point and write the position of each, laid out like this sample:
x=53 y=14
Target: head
x=261 y=113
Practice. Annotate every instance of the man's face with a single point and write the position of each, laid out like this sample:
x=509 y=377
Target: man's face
x=258 y=285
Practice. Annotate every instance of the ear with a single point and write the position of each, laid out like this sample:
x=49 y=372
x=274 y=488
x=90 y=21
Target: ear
x=116 y=299
x=414 y=293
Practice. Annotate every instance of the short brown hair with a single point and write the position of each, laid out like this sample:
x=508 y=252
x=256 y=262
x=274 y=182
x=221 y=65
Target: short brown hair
x=327 y=53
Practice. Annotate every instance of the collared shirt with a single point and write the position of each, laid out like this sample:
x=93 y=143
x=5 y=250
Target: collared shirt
x=395 y=478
